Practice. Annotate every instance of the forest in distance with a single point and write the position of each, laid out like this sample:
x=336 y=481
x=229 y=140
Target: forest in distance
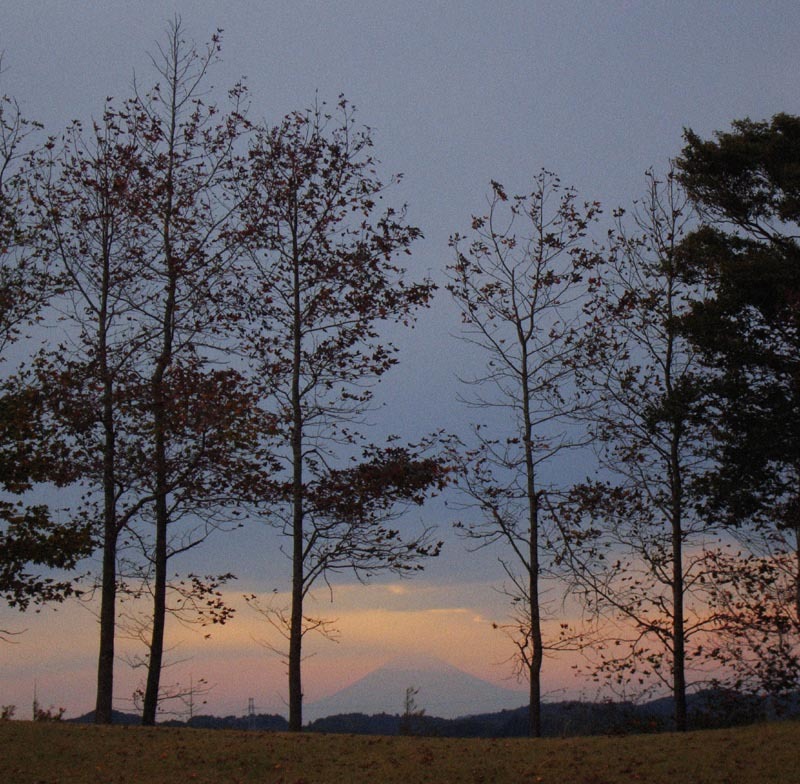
x=225 y=293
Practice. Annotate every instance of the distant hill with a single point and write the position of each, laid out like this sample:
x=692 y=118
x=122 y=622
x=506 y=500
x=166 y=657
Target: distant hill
x=117 y=717
x=443 y=691
x=260 y=721
x=457 y=704
x=712 y=708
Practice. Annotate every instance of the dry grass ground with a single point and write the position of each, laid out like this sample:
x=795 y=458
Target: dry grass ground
x=39 y=753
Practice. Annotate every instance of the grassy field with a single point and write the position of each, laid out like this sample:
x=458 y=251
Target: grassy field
x=41 y=753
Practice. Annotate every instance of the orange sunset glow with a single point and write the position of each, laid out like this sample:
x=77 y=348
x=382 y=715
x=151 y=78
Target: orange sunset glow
x=376 y=624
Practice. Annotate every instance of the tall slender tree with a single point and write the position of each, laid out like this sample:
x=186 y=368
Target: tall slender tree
x=520 y=280
x=191 y=155
x=634 y=546
x=88 y=193
x=322 y=276
x=746 y=185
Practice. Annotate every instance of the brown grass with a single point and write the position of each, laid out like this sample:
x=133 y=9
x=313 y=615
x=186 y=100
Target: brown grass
x=40 y=753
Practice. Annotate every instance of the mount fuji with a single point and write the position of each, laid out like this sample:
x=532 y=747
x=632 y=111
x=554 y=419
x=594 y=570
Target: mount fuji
x=443 y=691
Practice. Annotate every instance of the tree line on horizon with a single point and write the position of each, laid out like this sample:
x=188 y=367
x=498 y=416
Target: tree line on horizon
x=201 y=298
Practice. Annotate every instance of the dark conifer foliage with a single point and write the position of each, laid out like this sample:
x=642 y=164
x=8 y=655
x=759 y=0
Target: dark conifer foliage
x=746 y=183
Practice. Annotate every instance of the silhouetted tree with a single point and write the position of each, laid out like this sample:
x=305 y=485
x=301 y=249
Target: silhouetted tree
x=520 y=280
x=412 y=713
x=322 y=276
x=29 y=536
x=198 y=413
x=746 y=185
x=88 y=191
x=635 y=549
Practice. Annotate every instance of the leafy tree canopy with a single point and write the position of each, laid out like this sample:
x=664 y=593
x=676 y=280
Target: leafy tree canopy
x=746 y=183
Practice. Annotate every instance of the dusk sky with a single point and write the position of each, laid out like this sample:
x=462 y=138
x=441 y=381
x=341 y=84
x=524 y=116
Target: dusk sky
x=458 y=94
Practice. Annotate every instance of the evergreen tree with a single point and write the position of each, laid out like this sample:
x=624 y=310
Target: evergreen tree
x=746 y=184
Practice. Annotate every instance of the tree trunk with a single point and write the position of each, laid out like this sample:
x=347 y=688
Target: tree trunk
x=155 y=659
x=159 y=410
x=161 y=490
x=678 y=588
x=103 y=712
x=537 y=652
x=678 y=631
x=296 y=628
x=797 y=573
x=676 y=524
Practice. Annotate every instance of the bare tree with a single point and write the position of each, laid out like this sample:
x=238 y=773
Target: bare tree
x=636 y=549
x=520 y=280
x=412 y=716
x=179 y=700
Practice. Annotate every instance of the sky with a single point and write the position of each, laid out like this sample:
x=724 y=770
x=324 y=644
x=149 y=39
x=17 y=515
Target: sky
x=457 y=94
